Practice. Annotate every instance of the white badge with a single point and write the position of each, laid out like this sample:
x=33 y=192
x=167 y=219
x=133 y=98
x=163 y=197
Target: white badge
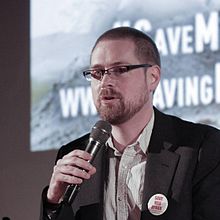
x=157 y=204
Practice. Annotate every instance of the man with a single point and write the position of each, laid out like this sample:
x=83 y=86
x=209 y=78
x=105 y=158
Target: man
x=153 y=166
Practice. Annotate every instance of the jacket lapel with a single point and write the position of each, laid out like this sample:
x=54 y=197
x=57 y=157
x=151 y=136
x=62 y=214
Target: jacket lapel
x=159 y=173
x=167 y=162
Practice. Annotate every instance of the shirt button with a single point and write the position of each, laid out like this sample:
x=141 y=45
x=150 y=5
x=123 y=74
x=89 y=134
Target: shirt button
x=119 y=198
x=125 y=167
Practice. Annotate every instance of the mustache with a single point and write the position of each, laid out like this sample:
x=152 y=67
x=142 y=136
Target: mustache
x=109 y=92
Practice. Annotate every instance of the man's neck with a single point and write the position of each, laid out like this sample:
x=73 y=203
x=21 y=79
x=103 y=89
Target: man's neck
x=128 y=132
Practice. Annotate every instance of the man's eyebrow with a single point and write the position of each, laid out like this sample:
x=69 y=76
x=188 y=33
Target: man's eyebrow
x=97 y=66
x=118 y=63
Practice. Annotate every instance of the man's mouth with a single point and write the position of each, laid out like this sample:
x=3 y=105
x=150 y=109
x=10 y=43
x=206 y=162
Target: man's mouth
x=107 y=97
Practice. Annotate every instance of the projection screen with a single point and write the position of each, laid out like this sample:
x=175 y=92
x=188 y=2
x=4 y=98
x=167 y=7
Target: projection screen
x=63 y=33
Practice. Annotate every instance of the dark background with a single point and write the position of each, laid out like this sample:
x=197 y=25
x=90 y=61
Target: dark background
x=23 y=173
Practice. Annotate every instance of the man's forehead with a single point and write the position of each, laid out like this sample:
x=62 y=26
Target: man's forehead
x=113 y=52
x=113 y=45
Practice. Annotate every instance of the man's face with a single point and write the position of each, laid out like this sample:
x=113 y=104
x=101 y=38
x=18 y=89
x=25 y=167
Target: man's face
x=118 y=99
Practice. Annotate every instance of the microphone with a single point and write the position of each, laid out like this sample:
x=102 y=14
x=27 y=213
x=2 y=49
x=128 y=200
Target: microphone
x=100 y=133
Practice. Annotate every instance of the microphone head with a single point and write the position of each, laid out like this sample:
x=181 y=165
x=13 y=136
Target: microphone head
x=101 y=131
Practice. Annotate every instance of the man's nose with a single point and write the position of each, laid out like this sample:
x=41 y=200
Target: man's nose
x=105 y=72
x=107 y=79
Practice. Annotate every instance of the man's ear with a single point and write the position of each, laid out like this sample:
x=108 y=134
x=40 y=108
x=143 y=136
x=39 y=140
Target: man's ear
x=153 y=77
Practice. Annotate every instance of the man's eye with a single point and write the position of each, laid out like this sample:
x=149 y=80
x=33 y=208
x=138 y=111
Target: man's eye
x=119 y=69
x=97 y=72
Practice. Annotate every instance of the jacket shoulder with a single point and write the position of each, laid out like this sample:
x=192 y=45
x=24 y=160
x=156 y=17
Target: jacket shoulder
x=79 y=143
x=183 y=129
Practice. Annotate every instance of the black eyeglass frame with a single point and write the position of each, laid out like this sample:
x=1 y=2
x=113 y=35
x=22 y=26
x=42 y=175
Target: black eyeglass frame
x=88 y=73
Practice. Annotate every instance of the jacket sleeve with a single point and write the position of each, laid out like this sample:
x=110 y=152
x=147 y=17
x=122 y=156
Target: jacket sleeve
x=57 y=212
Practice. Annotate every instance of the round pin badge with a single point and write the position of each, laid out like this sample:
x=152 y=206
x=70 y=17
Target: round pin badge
x=157 y=204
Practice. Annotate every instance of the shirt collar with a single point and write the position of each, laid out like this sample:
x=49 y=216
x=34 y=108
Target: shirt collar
x=143 y=139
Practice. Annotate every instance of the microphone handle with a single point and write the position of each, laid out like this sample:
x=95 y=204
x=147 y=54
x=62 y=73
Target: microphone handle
x=70 y=194
x=73 y=189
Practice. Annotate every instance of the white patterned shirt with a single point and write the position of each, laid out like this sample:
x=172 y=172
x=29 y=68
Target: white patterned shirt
x=124 y=187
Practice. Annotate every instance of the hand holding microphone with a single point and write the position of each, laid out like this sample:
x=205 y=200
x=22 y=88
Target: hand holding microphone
x=75 y=167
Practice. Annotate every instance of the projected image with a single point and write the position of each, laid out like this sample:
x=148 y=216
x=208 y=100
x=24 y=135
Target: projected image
x=62 y=34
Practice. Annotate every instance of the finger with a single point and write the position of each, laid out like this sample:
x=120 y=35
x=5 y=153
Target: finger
x=69 y=179
x=75 y=161
x=92 y=171
x=74 y=171
x=81 y=163
x=79 y=153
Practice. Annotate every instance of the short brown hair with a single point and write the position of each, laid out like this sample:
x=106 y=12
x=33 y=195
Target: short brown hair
x=146 y=49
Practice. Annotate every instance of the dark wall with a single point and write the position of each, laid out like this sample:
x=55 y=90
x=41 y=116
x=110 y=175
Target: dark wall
x=22 y=173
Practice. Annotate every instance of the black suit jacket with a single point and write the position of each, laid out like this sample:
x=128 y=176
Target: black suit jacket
x=183 y=163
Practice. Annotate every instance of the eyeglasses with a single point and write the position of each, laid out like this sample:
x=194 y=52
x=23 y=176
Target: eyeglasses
x=115 y=71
